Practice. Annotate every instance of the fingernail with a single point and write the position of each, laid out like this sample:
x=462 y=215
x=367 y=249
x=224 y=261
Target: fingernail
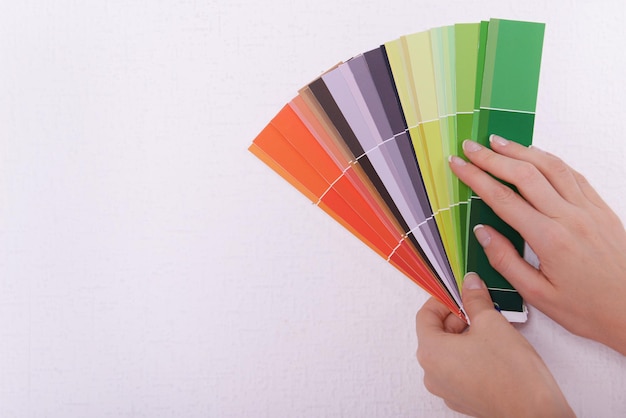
x=471 y=281
x=495 y=139
x=482 y=235
x=471 y=146
x=453 y=159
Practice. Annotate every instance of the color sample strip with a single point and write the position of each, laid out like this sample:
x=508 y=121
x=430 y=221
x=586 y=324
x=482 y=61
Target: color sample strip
x=368 y=142
x=480 y=69
x=350 y=169
x=290 y=148
x=376 y=85
x=443 y=65
x=308 y=100
x=384 y=153
x=466 y=41
x=399 y=64
x=507 y=108
x=418 y=55
x=328 y=107
x=362 y=168
x=346 y=97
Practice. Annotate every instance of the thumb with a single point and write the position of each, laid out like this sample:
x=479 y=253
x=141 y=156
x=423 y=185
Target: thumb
x=475 y=296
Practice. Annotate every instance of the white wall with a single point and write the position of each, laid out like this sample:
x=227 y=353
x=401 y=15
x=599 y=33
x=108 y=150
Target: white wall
x=150 y=266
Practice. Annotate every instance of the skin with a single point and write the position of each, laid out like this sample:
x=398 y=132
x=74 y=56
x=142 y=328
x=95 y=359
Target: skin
x=472 y=368
x=581 y=246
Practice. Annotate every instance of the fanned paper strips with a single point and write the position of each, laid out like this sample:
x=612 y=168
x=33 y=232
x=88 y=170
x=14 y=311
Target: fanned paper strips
x=368 y=142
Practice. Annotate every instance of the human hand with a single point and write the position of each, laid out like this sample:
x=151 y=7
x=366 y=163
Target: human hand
x=488 y=369
x=579 y=241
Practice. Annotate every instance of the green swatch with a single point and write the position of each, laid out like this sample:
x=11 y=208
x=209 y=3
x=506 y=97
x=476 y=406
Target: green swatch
x=508 y=96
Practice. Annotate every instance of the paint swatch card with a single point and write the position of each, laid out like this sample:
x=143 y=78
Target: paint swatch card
x=368 y=142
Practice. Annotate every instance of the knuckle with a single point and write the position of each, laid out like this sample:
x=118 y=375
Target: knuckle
x=581 y=180
x=579 y=223
x=533 y=292
x=417 y=316
x=557 y=166
x=582 y=226
x=423 y=358
x=487 y=158
x=555 y=239
x=501 y=261
x=526 y=173
x=430 y=385
x=454 y=406
x=502 y=194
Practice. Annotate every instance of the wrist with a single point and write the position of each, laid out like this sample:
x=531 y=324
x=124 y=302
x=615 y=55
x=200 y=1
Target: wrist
x=537 y=395
x=547 y=402
x=611 y=329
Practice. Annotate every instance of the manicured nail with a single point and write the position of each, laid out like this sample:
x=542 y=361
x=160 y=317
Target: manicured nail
x=471 y=281
x=482 y=235
x=453 y=159
x=498 y=140
x=471 y=146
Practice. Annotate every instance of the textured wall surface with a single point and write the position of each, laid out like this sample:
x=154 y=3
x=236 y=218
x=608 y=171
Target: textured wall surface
x=150 y=266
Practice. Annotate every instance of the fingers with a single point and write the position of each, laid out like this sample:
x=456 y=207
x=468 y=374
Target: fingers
x=539 y=175
x=503 y=257
x=561 y=177
x=476 y=299
x=454 y=325
x=530 y=182
x=589 y=191
x=507 y=204
x=459 y=407
x=431 y=318
x=435 y=318
x=429 y=323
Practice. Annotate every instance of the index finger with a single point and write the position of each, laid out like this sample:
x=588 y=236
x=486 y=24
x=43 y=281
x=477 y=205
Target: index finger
x=431 y=318
x=506 y=203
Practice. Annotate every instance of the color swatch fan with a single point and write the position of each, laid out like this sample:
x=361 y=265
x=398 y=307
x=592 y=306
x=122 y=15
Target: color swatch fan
x=368 y=142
